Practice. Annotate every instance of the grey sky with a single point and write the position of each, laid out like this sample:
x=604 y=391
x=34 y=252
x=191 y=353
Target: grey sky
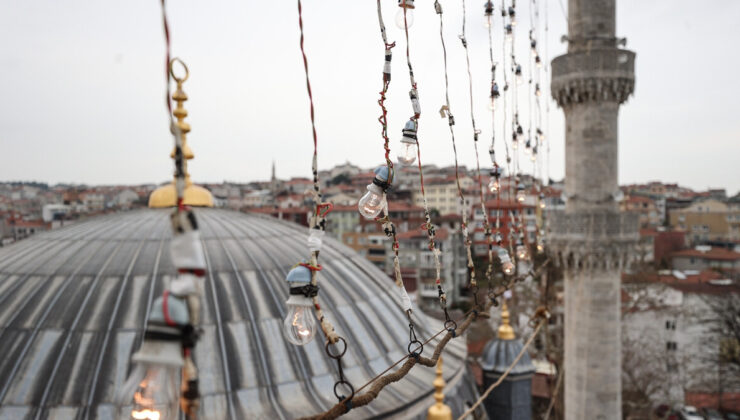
x=82 y=88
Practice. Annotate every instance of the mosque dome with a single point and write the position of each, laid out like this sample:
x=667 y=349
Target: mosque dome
x=74 y=303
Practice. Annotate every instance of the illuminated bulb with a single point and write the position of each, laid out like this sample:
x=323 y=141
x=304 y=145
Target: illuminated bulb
x=155 y=390
x=299 y=326
x=494 y=185
x=533 y=45
x=152 y=390
x=408 y=6
x=506 y=265
x=408 y=152
x=373 y=202
x=514 y=141
x=521 y=252
x=520 y=194
x=509 y=33
x=512 y=16
x=533 y=157
x=537 y=61
x=528 y=146
x=542 y=201
x=540 y=247
x=537 y=90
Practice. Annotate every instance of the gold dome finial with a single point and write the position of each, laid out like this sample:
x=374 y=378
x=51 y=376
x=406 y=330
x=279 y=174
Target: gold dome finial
x=166 y=196
x=505 y=332
x=440 y=410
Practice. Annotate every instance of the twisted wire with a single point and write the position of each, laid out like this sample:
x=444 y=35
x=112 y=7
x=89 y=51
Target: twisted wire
x=318 y=219
x=388 y=227
x=427 y=217
x=383 y=379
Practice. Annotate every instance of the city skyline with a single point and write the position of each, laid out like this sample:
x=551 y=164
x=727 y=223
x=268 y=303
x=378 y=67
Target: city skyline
x=92 y=112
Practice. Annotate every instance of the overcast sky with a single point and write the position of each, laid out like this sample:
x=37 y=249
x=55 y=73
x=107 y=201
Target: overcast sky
x=82 y=88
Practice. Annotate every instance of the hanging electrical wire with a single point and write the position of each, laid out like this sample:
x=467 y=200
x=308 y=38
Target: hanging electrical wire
x=495 y=172
x=374 y=201
x=164 y=377
x=303 y=278
x=445 y=111
x=410 y=133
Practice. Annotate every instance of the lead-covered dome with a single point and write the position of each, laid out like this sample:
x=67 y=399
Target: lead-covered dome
x=74 y=303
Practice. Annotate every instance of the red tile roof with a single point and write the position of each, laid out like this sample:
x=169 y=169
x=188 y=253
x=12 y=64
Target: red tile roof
x=717 y=254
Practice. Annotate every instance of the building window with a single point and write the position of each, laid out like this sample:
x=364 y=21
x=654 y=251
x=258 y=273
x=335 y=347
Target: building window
x=671 y=345
x=670 y=325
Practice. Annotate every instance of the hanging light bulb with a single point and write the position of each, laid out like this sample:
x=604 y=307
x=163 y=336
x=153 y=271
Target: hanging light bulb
x=512 y=16
x=506 y=265
x=407 y=154
x=509 y=33
x=528 y=146
x=299 y=326
x=514 y=141
x=542 y=201
x=492 y=154
x=498 y=238
x=518 y=74
x=152 y=390
x=537 y=90
x=520 y=193
x=494 y=185
x=406 y=6
x=537 y=61
x=533 y=44
x=540 y=247
x=373 y=202
x=540 y=135
x=522 y=253
x=488 y=14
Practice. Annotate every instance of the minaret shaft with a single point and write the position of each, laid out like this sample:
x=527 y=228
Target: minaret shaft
x=594 y=241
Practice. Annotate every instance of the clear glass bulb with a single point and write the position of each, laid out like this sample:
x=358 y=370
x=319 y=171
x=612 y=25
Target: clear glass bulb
x=152 y=392
x=540 y=248
x=409 y=17
x=493 y=186
x=520 y=196
x=519 y=79
x=522 y=253
x=533 y=158
x=407 y=154
x=487 y=21
x=299 y=326
x=372 y=203
x=492 y=104
x=542 y=204
x=506 y=265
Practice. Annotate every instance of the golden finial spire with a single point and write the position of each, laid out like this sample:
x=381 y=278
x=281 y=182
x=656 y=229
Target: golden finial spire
x=505 y=332
x=166 y=196
x=440 y=410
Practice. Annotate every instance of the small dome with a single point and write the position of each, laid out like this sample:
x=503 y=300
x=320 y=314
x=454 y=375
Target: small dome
x=74 y=303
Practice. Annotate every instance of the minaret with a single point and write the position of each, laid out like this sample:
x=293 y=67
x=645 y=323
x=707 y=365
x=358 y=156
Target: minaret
x=594 y=241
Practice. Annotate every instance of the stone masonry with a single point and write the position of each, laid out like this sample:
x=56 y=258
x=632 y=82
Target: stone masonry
x=593 y=240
